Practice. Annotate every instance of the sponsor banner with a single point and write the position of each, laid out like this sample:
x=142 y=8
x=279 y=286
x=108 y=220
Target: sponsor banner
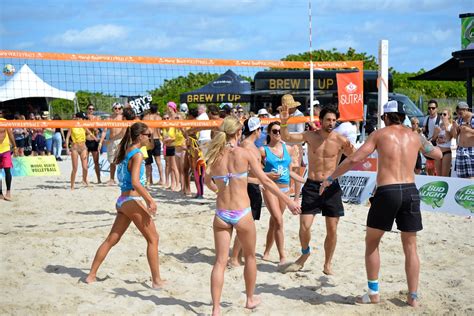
x=179 y=61
x=35 y=166
x=140 y=104
x=437 y=194
x=350 y=96
x=216 y=97
x=444 y=194
x=357 y=186
x=122 y=124
x=467 y=32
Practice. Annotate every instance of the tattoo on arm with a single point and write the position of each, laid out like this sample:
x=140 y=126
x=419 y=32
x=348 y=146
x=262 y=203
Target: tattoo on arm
x=426 y=145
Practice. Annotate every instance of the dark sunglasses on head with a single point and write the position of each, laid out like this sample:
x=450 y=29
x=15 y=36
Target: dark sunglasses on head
x=275 y=131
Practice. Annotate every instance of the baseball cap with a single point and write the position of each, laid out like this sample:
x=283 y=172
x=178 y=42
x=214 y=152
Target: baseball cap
x=183 y=107
x=172 y=105
x=262 y=111
x=394 y=107
x=462 y=105
x=250 y=125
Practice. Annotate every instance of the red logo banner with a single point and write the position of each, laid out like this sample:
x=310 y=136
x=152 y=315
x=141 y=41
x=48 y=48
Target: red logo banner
x=350 y=91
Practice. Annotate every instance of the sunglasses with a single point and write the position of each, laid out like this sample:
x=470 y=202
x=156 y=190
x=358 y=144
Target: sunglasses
x=240 y=111
x=431 y=108
x=147 y=134
x=166 y=118
x=382 y=116
x=275 y=131
x=117 y=108
x=91 y=109
x=444 y=114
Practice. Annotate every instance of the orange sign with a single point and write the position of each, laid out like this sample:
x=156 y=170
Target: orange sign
x=122 y=124
x=350 y=91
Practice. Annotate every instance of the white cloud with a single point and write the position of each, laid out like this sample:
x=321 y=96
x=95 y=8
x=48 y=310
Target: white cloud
x=90 y=36
x=218 y=45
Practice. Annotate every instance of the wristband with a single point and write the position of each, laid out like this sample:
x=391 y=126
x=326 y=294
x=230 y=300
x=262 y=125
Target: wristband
x=283 y=125
x=330 y=179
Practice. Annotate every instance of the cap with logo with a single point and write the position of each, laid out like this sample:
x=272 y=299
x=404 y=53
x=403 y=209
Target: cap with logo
x=250 y=125
x=394 y=107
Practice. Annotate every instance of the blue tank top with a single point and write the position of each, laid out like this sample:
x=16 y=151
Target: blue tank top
x=273 y=163
x=123 y=174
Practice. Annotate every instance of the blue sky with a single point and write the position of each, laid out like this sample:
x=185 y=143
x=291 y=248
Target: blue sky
x=421 y=34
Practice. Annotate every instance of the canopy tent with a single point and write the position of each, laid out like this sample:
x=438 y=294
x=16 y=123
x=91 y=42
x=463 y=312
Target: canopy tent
x=458 y=68
x=229 y=87
x=26 y=84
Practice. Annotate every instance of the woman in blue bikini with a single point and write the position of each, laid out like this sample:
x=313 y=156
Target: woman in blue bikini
x=228 y=165
x=130 y=206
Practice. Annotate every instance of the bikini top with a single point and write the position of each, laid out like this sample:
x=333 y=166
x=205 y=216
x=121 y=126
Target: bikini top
x=123 y=174
x=229 y=176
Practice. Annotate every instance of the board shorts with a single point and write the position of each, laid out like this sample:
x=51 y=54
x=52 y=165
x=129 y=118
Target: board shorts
x=6 y=160
x=255 y=196
x=329 y=203
x=465 y=162
x=395 y=202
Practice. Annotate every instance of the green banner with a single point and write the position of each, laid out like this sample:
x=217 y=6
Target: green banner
x=467 y=32
x=35 y=166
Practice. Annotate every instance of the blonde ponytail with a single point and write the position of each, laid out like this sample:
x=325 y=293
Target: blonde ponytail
x=229 y=127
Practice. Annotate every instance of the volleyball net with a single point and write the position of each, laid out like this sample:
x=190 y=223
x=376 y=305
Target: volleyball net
x=69 y=82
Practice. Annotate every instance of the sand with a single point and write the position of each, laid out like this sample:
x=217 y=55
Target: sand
x=49 y=235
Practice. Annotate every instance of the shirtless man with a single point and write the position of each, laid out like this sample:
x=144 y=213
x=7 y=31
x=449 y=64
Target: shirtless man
x=324 y=152
x=396 y=197
x=153 y=115
x=113 y=140
x=464 y=129
x=92 y=143
x=252 y=133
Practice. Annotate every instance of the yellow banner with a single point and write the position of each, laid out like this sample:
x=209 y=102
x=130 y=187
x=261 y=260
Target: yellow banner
x=35 y=166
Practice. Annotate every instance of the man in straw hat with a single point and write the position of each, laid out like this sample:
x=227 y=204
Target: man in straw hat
x=324 y=152
x=289 y=102
x=396 y=198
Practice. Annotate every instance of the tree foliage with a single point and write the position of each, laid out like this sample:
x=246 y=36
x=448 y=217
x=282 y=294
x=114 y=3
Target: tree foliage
x=101 y=102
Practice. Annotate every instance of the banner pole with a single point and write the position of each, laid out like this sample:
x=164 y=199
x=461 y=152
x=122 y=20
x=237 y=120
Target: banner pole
x=311 y=71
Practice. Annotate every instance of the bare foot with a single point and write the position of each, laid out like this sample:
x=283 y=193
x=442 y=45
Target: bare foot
x=253 y=302
x=412 y=300
x=90 y=279
x=368 y=299
x=85 y=183
x=111 y=182
x=8 y=196
x=266 y=257
x=302 y=259
x=233 y=263
x=216 y=311
x=158 y=284
x=161 y=183
x=2 y=197
x=282 y=261
x=328 y=269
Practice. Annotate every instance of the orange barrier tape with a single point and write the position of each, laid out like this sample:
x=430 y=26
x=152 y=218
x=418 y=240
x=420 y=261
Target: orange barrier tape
x=122 y=124
x=179 y=61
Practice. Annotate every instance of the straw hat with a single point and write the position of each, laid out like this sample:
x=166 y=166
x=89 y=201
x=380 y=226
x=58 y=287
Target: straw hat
x=288 y=101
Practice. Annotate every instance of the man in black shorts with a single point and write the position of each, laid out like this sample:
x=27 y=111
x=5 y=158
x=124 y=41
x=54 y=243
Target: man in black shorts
x=396 y=198
x=153 y=115
x=325 y=148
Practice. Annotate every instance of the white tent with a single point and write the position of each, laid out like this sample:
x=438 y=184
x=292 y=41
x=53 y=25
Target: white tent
x=26 y=84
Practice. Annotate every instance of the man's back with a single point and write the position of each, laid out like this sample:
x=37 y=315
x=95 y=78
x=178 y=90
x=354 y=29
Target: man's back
x=397 y=147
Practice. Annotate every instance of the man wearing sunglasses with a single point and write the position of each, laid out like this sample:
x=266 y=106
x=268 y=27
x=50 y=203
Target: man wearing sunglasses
x=431 y=122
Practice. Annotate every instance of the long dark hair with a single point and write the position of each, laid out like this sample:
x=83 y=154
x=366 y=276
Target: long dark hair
x=269 y=130
x=131 y=135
